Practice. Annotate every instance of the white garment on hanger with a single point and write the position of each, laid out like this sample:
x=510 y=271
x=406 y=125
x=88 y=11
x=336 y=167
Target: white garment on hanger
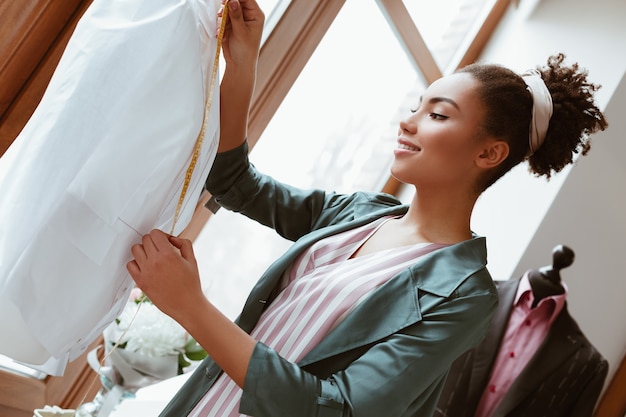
x=101 y=162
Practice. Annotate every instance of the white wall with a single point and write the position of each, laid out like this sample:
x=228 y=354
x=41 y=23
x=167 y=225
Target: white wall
x=585 y=206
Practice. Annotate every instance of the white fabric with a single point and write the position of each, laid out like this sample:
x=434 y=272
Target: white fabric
x=100 y=163
x=542 y=109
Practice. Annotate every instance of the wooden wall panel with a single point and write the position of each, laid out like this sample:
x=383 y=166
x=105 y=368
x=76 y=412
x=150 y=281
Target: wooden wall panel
x=33 y=34
x=12 y=412
x=613 y=401
x=20 y=394
x=27 y=29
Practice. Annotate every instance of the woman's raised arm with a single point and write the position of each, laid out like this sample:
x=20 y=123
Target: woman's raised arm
x=241 y=43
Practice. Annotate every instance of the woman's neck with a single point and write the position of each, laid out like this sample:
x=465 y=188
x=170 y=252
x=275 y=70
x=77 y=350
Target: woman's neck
x=440 y=220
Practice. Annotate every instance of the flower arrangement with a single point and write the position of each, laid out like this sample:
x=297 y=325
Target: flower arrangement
x=142 y=329
x=142 y=346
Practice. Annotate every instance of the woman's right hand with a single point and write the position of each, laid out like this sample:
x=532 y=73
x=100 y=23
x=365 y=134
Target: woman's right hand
x=242 y=35
x=165 y=269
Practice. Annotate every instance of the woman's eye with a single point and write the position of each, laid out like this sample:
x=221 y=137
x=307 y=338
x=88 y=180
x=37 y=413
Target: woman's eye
x=438 y=116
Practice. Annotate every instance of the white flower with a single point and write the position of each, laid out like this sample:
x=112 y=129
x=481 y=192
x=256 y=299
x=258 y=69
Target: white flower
x=149 y=332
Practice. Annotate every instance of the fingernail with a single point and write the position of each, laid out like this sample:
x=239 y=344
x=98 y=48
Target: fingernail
x=233 y=4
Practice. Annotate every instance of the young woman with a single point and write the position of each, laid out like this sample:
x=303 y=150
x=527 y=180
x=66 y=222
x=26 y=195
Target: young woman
x=365 y=313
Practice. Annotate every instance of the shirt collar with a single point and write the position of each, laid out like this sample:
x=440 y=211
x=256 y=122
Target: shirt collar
x=558 y=301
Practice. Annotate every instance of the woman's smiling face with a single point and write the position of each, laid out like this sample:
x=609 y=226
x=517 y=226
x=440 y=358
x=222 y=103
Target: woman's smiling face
x=437 y=144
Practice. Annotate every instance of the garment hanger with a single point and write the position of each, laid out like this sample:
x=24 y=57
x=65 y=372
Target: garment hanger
x=546 y=281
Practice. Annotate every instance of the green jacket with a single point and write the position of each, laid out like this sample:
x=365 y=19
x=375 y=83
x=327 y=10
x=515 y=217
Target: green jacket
x=390 y=356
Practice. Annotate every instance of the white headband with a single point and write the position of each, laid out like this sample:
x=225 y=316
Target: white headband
x=542 y=108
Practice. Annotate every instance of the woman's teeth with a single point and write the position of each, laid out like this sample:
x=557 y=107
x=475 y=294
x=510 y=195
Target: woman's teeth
x=407 y=147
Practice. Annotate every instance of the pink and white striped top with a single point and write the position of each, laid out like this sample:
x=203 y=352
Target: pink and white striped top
x=323 y=285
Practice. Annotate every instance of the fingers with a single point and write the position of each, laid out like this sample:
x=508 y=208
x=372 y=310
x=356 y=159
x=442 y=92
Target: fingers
x=138 y=252
x=151 y=244
x=235 y=16
x=148 y=246
x=185 y=247
x=220 y=11
x=234 y=8
x=157 y=240
x=243 y=13
x=133 y=269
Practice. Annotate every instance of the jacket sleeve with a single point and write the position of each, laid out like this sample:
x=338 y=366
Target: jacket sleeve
x=401 y=375
x=588 y=398
x=236 y=185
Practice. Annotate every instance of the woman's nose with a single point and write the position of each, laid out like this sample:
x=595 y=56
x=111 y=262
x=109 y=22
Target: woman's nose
x=408 y=125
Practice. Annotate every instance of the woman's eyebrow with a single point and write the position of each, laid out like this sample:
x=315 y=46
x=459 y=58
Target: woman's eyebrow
x=434 y=100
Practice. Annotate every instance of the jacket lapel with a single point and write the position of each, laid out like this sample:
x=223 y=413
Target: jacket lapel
x=487 y=350
x=396 y=304
x=364 y=325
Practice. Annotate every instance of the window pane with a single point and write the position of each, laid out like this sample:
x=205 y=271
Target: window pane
x=9 y=365
x=447 y=26
x=335 y=129
x=273 y=10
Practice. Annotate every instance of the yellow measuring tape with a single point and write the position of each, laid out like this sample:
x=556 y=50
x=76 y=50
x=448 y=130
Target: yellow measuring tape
x=200 y=139
x=190 y=168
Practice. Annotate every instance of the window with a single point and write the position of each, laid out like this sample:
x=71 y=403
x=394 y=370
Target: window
x=335 y=130
x=448 y=26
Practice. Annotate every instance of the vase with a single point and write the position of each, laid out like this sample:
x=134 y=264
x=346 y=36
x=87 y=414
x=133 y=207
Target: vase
x=105 y=401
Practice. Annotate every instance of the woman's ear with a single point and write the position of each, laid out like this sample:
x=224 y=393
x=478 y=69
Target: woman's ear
x=494 y=152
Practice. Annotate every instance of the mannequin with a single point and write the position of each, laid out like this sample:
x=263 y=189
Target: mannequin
x=102 y=161
x=564 y=375
x=546 y=280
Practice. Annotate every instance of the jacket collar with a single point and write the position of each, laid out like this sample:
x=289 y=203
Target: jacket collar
x=397 y=304
x=488 y=349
